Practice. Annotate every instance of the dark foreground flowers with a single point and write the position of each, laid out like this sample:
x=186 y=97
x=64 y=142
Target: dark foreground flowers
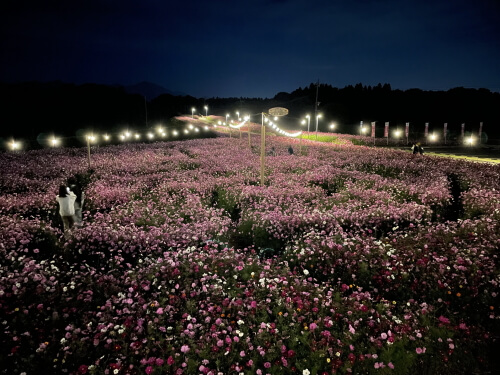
x=349 y=260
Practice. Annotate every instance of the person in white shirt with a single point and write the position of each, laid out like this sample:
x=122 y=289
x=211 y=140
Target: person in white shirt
x=66 y=199
x=80 y=197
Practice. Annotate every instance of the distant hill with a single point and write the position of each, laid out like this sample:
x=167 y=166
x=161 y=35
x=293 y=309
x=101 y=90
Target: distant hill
x=150 y=90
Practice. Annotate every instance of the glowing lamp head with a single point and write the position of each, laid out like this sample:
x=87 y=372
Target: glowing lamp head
x=15 y=145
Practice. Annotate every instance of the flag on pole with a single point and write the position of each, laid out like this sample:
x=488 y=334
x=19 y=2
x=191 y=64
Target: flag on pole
x=426 y=132
x=386 y=130
x=373 y=129
x=444 y=129
x=407 y=130
x=480 y=130
x=463 y=129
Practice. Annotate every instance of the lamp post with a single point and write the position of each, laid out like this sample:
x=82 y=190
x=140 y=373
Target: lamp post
x=237 y=116
x=397 y=133
x=332 y=127
x=262 y=150
x=247 y=118
x=308 y=123
x=192 y=112
x=89 y=139
x=317 y=120
x=206 y=111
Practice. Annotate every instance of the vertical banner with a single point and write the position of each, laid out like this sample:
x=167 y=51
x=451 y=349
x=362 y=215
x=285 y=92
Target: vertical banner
x=373 y=129
x=463 y=129
x=407 y=131
x=426 y=131
x=480 y=131
x=445 y=131
x=386 y=130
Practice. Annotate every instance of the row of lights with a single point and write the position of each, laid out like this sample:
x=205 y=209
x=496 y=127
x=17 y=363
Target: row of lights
x=125 y=136
x=194 y=109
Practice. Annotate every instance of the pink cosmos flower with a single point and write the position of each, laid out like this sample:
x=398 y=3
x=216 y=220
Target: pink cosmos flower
x=444 y=320
x=185 y=349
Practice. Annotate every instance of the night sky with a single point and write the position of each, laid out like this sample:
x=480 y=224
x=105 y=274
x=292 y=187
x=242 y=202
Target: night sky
x=210 y=48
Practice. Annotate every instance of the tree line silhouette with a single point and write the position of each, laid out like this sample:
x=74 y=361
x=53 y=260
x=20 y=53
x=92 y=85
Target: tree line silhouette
x=31 y=108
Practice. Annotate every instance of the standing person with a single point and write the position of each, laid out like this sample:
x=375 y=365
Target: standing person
x=80 y=196
x=290 y=150
x=66 y=200
x=420 y=149
x=414 y=148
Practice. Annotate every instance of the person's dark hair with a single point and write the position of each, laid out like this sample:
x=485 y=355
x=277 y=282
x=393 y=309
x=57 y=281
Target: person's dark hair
x=63 y=192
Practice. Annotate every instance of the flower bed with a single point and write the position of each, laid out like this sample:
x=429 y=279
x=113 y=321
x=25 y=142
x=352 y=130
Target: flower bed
x=349 y=260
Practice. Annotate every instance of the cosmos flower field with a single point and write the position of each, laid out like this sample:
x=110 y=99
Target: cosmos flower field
x=349 y=260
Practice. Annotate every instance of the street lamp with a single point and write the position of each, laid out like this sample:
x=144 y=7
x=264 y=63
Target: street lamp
x=15 y=145
x=317 y=120
x=397 y=133
x=192 y=112
x=332 y=128
x=470 y=141
x=308 y=123
x=54 y=142
x=206 y=110
x=237 y=115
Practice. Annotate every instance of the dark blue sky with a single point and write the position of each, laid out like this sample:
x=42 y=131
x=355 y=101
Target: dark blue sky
x=253 y=48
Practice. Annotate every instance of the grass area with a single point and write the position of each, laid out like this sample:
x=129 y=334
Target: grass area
x=464 y=157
